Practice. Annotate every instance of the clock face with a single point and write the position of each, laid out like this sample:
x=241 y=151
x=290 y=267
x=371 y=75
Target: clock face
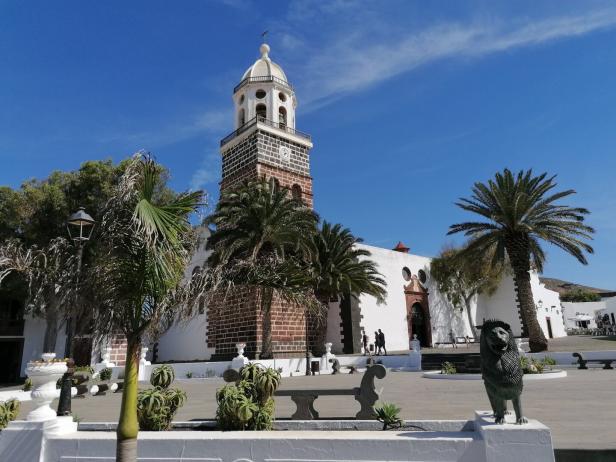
x=285 y=153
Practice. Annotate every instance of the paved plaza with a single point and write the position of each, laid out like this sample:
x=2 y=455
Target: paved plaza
x=580 y=409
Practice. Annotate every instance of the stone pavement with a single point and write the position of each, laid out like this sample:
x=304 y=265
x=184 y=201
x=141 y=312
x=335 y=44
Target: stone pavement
x=580 y=409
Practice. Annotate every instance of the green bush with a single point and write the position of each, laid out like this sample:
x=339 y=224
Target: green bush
x=448 y=368
x=549 y=362
x=105 y=374
x=27 y=385
x=248 y=405
x=157 y=406
x=8 y=411
x=163 y=376
x=189 y=375
x=532 y=366
x=388 y=415
x=84 y=369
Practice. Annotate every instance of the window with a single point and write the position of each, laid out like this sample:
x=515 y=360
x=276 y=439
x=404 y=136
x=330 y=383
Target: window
x=296 y=192
x=260 y=94
x=282 y=97
x=406 y=274
x=241 y=100
x=282 y=117
x=261 y=111
x=241 y=118
x=422 y=276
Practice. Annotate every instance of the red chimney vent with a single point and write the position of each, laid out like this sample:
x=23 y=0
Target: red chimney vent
x=400 y=247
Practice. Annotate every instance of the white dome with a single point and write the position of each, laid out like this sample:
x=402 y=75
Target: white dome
x=265 y=67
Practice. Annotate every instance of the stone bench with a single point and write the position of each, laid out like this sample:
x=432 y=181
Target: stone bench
x=365 y=394
x=582 y=361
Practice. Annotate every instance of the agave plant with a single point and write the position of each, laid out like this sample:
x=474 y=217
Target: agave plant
x=163 y=376
x=388 y=415
x=267 y=383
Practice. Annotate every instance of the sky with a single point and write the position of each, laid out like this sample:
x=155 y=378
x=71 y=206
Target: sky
x=408 y=102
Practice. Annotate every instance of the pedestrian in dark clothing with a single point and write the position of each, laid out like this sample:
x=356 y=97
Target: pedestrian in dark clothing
x=364 y=340
x=377 y=344
x=382 y=341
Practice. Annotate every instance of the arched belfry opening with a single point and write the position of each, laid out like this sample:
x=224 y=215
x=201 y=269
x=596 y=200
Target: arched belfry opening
x=261 y=111
x=282 y=117
x=418 y=312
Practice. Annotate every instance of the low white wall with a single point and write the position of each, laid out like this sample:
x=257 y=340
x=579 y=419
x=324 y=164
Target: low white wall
x=486 y=443
x=289 y=366
x=565 y=358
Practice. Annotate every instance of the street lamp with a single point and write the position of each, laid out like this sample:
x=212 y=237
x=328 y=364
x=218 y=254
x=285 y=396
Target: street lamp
x=80 y=226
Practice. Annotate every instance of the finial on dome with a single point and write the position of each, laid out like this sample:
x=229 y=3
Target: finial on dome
x=264 y=49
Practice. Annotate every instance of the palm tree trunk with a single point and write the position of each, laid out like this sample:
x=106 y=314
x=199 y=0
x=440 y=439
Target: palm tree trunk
x=266 y=317
x=51 y=330
x=128 y=426
x=519 y=255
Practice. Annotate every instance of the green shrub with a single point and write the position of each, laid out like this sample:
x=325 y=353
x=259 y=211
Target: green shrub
x=189 y=375
x=388 y=415
x=27 y=385
x=531 y=366
x=448 y=368
x=248 y=405
x=163 y=376
x=105 y=374
x=84 y=369
x=549 y=362
x=8 y=411
x=157 y=406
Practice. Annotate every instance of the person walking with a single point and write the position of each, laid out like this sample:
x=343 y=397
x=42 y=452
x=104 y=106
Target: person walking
x=382 y=341
x=377 y=344
x=364 y=340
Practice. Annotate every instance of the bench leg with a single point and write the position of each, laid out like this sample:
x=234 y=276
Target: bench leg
x=582 y=365
x=305 y=408
x=607 y=365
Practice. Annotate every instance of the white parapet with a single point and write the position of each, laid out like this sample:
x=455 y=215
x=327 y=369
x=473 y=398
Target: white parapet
x=478 y=440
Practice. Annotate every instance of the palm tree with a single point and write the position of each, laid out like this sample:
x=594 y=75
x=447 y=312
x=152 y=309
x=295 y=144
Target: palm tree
x=520 y=211
x=259 y=225
x=145 y=244
x=341 y=268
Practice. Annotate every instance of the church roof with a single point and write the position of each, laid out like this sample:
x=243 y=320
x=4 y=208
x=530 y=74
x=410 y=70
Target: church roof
x=264 y=67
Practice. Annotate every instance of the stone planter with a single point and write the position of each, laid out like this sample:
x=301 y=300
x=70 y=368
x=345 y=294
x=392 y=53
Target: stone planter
x=44 y=375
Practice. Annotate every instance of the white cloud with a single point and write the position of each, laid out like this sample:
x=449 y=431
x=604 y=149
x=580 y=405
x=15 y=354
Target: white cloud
x=357 y=59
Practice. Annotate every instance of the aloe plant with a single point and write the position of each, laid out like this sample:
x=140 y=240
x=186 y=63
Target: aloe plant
x=162 y=376
x=248 y=405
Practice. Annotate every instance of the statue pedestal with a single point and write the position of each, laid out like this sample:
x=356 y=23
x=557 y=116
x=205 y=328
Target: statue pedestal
x=240 y=360
x=510 y=442
x=326 y=366
x=106 y=362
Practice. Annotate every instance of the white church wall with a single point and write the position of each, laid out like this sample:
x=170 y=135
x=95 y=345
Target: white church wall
x=391 y=316
x=502 y=305
x=187 y=341
x=610 y=309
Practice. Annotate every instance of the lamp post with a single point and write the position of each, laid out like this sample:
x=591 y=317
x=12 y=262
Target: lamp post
x=79 y=226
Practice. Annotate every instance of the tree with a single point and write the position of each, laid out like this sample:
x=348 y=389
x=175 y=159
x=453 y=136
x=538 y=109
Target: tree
x=461 y=278
x=341 y=268
x=145 y=243
x=580 y=295
x=258 y=223
x=519 y=211
x=50 y=277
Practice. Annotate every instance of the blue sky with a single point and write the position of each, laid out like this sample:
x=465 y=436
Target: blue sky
x=408 y=103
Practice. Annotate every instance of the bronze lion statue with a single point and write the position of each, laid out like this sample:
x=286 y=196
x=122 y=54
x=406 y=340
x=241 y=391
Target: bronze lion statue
x=500 y=369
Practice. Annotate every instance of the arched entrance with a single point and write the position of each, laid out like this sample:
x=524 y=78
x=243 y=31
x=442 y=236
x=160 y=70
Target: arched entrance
x=418 y=312
x=418 y=324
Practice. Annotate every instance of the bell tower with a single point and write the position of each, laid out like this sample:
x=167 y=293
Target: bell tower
x=265 y=142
